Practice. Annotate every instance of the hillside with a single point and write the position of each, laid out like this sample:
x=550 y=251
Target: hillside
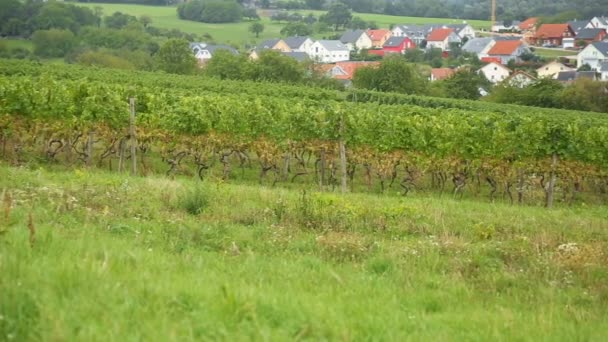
x=237 y=33
x=90 y=255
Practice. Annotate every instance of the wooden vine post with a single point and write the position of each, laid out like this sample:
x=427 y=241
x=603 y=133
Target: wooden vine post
x=132 y=136
x=343 y=154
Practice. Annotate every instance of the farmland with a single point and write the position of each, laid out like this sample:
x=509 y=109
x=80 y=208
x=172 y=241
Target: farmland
x=233 y=225
x=237 y=33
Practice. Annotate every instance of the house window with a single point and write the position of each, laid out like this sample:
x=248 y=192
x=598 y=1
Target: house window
x=317 y=49
x=495 y=68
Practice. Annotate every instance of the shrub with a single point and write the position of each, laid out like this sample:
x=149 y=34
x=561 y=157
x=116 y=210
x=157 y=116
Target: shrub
x=194 y=201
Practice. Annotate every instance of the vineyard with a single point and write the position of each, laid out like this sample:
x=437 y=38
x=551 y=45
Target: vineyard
x=356 y=139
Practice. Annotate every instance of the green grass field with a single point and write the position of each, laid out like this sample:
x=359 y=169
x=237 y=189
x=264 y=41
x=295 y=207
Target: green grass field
x=553 y=53
x=237 y=33
x=95 y=256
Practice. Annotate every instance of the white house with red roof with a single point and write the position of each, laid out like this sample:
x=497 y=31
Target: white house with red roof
x=495 y=72
x=508 y=50
x=441 y=38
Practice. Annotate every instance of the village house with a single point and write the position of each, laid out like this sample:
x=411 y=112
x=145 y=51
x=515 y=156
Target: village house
x=552 y=34
x=463 y=30
x=501 y=26
x=274 y=44
x=520 y=79
x=579 y=25
x=495 y=72
x=593 y=54
x=528 y=25
x=203 y=52
x=329 y=51
x=438 y=74
x=479 y=46
x=441 y=38
x=299 y=44
x=590 y=35
x=394 y=45
x=551 y=70
x=600 y=22
x=416 y=33
x=346 y=70
x=356 y=40
x=508 y=50
x=379 y=37
x=567 y=77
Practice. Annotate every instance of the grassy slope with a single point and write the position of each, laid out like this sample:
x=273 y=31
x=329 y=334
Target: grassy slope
x=237 y=33
x=117 y=258
x=552 y=53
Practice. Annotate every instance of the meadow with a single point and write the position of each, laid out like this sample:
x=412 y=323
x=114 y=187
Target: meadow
x=90 y=255
x=238 y=34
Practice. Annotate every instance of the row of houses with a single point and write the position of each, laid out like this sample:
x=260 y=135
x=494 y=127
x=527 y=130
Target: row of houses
x=498 y=73
x=572 y=34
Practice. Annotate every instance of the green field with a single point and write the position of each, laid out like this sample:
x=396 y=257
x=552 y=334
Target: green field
x=109 y=257
x=237 y=33
x=554 y=53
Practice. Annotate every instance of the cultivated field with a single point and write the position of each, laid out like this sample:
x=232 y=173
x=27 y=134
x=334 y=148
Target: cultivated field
x=237 y=33
x=88 y=255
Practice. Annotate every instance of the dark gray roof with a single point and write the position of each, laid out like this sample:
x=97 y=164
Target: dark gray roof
x=578 y=25
x=213 y=48
x=602 y=47
x=295 y=42
x=333 y=45
x=268 y=44
x=297 y=55
x=588 y=33
x=394 y=41
x=565 y=76
x=476 y=45
x=351 y=36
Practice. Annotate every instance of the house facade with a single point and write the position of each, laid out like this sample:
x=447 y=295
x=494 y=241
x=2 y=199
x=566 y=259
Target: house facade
x=520 y=79
x=553 y=34
x=398 y=45
x=438 y=74
x=299 y=44
x=356 y=40
x=275 y=44
x=329 y=51
x=495 y=72
x=552 y=69
x=441 y=38
x=593 y=54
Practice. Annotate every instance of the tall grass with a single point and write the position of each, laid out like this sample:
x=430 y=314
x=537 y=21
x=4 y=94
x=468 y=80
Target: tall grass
x=121 y=259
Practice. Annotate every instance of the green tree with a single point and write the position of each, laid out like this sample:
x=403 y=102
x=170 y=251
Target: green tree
x=145 y=20
x=53 y=42
x=338 y=15
x=465 y=84
x=256 y=28
x=274 y=66
x=118 y=20
x=394 y=74
x=251 y=14
x=296 y=29
x=586 y=94
x=226 y=65
x=176 y=57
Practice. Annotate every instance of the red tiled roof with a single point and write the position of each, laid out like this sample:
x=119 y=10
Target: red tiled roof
x=504 y=47
x=442 y=73
x=528 y=23
x=439 y=35
x=551 y=30
x=377 y=34
x=350 y=68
